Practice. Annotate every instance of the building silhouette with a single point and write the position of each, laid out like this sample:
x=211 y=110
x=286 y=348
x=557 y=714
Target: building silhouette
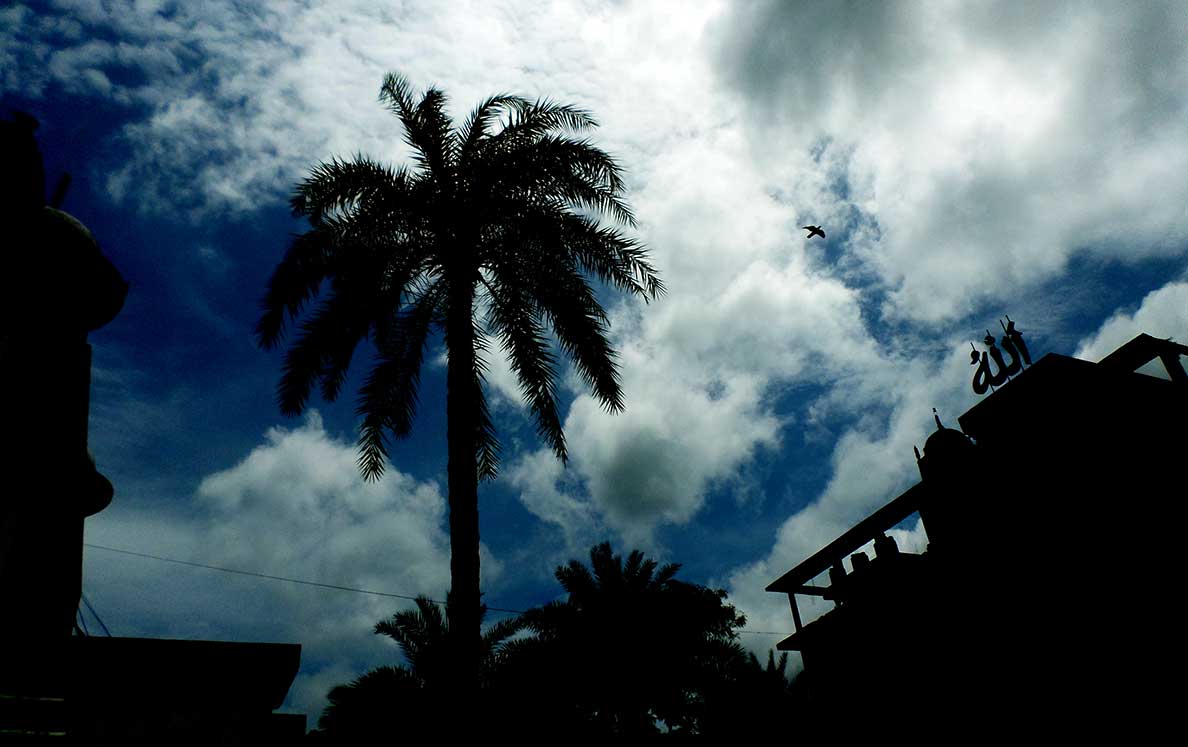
x=1047 y=597
x=54 y=686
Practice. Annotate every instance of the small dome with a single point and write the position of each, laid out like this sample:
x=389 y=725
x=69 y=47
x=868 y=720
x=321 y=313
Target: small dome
x=946 y=449
x=61 y=277
x=947 y=452
x=946 y=441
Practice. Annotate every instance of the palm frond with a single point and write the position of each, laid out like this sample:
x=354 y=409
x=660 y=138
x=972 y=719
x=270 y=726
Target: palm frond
x=327 y=340
x=583 y=331
x=337 y=185
x=350 y=205
x=354 y=708
x=575 y=578
x=497 y=634
x=388 y=396
x=478 y=124
x=553 y=167
x=420 y=633
x=515 y=318
x=634 y=566
x=667 y=573
x=293 y=283
x=607 y=567
x=530 y=121
x=359 y=304
x=426 y=126
x=612 y=257
x=441 y=139
x=547 y=620
x=486 y=443
x=352 y=306
x=551 y=233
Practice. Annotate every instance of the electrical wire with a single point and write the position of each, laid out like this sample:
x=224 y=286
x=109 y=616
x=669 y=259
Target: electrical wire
x=305 y=582
x=95 y=615
x=301 y=581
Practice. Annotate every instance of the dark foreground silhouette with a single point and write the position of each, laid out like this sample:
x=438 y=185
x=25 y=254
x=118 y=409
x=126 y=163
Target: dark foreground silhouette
x=631 y=652
x=55 y=687
x=1047 y=599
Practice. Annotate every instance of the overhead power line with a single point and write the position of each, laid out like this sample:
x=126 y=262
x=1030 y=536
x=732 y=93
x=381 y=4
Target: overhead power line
x=304 y=582
x=95 y=615
x=256 y=574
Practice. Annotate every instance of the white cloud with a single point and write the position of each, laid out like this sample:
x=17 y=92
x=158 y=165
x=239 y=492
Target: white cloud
x=988 y=142
x=264 y=94
x=294 y=507
x=701 y=367
x=872 y=463
x=243 y=100
x=550 y=493
x=1162 y=313
x=309 y=484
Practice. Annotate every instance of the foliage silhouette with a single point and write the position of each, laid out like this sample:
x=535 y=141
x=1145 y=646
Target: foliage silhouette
x=631 y=652
x=749 y=700
x=490 y=233
x=410 y=699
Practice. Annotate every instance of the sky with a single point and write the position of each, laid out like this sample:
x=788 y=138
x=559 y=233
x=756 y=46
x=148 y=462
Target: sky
x=967 y=160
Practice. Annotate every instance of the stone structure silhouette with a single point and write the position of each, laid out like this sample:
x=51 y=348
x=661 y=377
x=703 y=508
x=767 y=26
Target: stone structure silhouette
x=59 y=288
x=1046 y=596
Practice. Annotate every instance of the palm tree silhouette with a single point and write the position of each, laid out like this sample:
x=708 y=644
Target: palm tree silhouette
x=490 y=234
x=641 y=647
x=424 y=638
x=413 y=699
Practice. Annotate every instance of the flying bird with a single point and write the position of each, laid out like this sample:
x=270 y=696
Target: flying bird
x=814 y=231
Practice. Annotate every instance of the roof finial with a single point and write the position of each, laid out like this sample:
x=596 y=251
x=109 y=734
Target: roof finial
x=936 y=417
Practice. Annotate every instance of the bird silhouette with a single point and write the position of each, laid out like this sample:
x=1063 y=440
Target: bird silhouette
x=814 y=231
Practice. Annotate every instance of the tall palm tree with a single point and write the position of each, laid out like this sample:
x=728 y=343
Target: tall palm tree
x=490 y=234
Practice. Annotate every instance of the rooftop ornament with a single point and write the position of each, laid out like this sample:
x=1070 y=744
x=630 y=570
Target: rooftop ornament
x=986 y=377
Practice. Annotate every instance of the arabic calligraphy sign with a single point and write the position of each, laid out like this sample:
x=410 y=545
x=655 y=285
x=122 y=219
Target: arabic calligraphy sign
x=992 y=369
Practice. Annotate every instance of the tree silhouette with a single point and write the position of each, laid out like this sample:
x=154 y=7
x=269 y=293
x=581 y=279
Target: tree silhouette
x=412 y=700
x=631 y=652
x=424 y=638
x=491 y=233
x=743 y=699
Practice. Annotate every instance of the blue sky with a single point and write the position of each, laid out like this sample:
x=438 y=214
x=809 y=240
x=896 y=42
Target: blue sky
x=965 y=159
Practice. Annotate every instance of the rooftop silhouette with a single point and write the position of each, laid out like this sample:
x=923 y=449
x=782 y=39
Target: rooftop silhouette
x=1053 y=520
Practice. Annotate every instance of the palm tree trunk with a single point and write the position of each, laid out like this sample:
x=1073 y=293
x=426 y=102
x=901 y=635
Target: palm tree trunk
x=461 y=420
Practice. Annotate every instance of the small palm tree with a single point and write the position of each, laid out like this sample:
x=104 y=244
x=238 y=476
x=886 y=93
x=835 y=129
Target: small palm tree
x=639 y=646
x=490 y=235
x=411 y=699
x=424 y=638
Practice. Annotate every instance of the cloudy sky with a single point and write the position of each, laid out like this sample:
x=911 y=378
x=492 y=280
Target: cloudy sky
x=966 y=160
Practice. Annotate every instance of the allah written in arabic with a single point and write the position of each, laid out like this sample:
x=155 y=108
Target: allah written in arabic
x=987 y=376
